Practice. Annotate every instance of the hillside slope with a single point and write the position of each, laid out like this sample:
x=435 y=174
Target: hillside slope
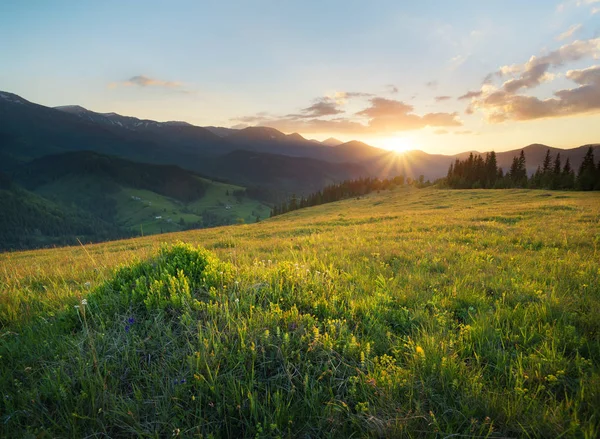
x=424 y=313
x=128 y=197
x=28 y=220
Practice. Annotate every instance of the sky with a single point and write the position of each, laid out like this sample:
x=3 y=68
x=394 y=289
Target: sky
x=439 y=76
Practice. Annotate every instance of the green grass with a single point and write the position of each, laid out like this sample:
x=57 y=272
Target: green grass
x=388 y=316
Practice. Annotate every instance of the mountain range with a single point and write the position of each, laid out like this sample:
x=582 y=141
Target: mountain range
x=29 y=131
x=69 y=167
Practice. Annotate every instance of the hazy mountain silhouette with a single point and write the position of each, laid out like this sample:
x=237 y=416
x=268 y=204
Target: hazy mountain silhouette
x=29 y=131
x=332 y=141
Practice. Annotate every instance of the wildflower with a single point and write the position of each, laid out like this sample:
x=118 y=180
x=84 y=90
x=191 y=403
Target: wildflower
x=87 y=285
x=130 y=320
x=420 y=351
x=84 y=302
x=76 y=306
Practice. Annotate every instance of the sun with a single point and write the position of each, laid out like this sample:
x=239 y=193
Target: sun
x=397 y=144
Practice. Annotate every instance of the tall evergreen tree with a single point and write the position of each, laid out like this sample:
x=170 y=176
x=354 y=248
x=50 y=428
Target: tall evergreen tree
x=518 y=171
x=547 y=162
x=568 y=176
x=556 y=180
x=491 y=169
x=586 y=177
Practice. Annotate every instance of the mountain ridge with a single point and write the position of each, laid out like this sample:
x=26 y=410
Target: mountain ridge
x=29 y=130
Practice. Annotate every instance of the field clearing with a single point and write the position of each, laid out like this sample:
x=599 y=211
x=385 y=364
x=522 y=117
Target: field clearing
x=407 y=313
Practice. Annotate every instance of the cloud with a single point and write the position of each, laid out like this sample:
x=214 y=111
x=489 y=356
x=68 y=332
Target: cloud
x=432 y=84
x=502 y=105
x=569 y=32
x=355 y=94
x=145 y=81
x=387 y=115
x=463 y=133
x=322 y=107
x=381 y=116
x=562 y=6
x=442 y=98
x=470 y=94
x=535 y=71
x=457 y=61
x=392 y=89
x=257 y=118
x=440 y=132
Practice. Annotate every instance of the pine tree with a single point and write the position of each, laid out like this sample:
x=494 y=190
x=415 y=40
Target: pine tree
x=491 y=169
x=586 y=177
x=546 y=164
x=568 y=176
x=556 y=173
x=518 y=171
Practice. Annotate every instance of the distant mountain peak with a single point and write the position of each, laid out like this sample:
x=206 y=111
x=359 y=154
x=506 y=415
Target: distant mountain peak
x=295 y=136
x=177 y=123
x=260 y=133
x=74 y=109
x=13 y=98
x=356 y=144
x=538 y=146
x=332 y=141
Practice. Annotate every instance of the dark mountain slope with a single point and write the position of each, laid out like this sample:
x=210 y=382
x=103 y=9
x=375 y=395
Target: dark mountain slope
x=167 y=180
x=30 y=221
x=290 y=174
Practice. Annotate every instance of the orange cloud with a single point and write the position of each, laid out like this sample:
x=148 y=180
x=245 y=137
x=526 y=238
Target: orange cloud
x=382 y=116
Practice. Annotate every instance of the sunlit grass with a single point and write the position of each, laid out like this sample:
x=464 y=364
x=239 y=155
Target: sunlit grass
x=412 y=313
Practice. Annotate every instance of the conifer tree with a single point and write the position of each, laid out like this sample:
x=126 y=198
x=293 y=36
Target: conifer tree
x=568 y=176
x=547 y=162
x=556 y=180
x=586 y=177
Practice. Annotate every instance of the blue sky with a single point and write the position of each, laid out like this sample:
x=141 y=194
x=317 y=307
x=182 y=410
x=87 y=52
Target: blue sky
x=323 y=68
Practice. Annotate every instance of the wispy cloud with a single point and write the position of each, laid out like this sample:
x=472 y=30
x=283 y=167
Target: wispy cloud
x=563 y=6
x=322 y=107
x=392 y=89
x=569 y=32
x=145 y=81
x=442 y=98
x=470 y=95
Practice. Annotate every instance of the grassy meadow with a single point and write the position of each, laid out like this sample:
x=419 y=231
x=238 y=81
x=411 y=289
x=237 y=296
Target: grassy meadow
x=406 y=313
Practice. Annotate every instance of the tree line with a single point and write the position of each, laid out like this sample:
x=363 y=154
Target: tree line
x=340 y=191
x=478 y=172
